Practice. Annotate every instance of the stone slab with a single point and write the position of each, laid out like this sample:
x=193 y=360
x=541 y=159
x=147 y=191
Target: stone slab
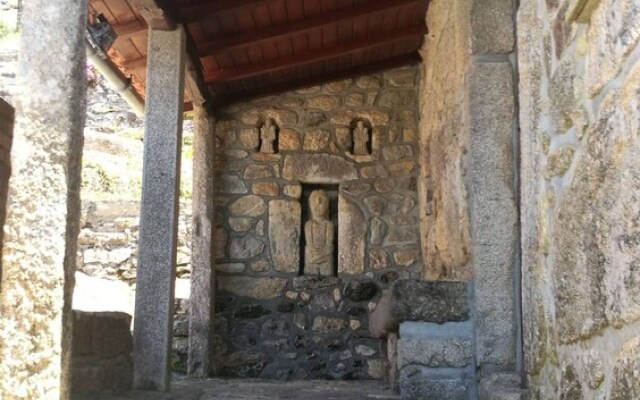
x=285 y=221
x=318 y=168
x=436 y=353
x=352 y=231
x=256 y=288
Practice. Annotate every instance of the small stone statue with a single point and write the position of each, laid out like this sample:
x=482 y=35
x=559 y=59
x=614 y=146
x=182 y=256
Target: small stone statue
x=360 y=139
x=268 y=134
x=318 y=231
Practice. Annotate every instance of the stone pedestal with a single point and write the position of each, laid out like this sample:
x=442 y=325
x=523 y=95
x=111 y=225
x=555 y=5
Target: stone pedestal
x=159 y=209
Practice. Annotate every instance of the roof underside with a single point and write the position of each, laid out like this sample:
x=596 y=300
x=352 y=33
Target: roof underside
x=241 y=49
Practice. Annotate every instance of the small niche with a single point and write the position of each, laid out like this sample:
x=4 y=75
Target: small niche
x=331 y=192
x=361 y=137
x=268 y=137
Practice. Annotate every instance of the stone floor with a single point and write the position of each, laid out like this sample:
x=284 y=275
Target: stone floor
x=219 y=389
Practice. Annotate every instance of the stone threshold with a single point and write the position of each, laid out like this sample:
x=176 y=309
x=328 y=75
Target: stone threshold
x=236 y=389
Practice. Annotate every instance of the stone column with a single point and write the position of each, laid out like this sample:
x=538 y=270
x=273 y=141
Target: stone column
x=201 y=302
x=44 y=203
x=153 y=328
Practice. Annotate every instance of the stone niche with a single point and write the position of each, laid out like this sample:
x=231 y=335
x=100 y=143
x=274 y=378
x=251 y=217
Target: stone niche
x=274 y=320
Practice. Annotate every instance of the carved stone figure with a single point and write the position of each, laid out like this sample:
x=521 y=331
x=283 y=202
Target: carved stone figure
x=268 y=134
x=360 y=139
x=318 y=231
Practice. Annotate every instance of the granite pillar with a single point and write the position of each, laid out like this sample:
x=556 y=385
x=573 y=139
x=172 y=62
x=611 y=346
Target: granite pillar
x=201 y=302
x=153 y=329
x=42 y=223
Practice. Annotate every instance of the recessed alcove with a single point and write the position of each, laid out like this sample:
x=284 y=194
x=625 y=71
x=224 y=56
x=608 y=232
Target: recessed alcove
x=332 y=193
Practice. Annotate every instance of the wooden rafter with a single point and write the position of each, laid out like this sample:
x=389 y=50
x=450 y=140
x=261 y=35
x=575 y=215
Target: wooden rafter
x=405 y=59
x=201 y=11
x=309 y=57
x=130 y=29
x=236 y=41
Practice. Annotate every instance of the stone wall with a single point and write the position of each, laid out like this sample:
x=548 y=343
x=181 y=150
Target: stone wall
x=6 y=137
x=467 y=185
x=273 y=322
x=580 y=91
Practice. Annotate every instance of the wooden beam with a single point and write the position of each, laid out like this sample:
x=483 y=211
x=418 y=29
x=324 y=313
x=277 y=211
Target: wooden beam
x=309 y=57
x=137 y=63
x=232 y=42
x=130 y=29
x=268 y=90
x=155 y=14
x=200 y=11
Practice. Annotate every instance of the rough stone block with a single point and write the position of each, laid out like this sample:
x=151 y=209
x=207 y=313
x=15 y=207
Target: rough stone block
x=410 y=300
x=502 y=386
x=318 y=168
x=256 y=288
x=417 y=383
x=492 y=26
x=101 y=334
x=436 y=353
x=308 y=283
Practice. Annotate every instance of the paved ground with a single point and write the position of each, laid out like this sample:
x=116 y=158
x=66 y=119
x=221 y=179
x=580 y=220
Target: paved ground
x=218 y=389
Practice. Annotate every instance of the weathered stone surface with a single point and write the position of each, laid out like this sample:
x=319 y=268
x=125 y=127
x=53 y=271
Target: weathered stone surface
x=250 y=138
x=361 y=290
x=378 y=259
x=416 y=384
x=338 y=86
x=502 y=386
x=436 y=353
x=354 y=100
x=256 y=288
x=42 y=217
x=376 y=204
x=231 y=184
x=294 y=191
x=378 y=231
x=626 y=384
x=410 y=300
x=327 y=324
x=251 y=206
x=352 y=233
x=240 y=224
x=613 y=34
x=285 y=221
x=558 y=162
x=159 y=211
x=316 y=140
x=375 y=117
x=405 y=258
x=270 y=189
x=324 y=103
x=231 y=268
x=314 y=282
x=318 y=168
x=256 y=171
x=401 y=77
x=492 y=26
x=595 y=254
x=245 y=247
x=288 y=139
x=368 y=82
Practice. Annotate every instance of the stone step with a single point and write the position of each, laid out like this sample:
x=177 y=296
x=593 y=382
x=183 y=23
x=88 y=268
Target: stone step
x=502 y=386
